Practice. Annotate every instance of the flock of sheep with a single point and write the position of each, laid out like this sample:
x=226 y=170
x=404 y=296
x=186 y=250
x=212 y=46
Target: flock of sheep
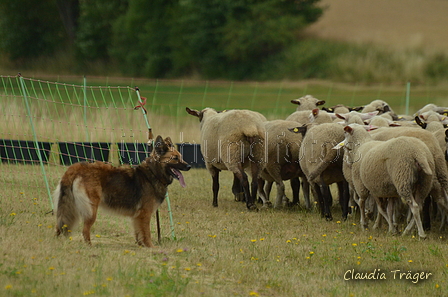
x=389 y=165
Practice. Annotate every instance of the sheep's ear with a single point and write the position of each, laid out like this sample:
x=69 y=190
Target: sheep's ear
x=327 y=109
x=420 y=122
x=320 y=102
x=297 y=130
x=366 y=116
x=160 y=147
x=370 y=127
x=315 y=112
x=358 y=108
x=446 y=135
x=445 y=112
x=339 y=145
x=341 y=116
x=386 y=108
x=393 y=124
x=193 y=112
x=348 y=129
x=295 y=101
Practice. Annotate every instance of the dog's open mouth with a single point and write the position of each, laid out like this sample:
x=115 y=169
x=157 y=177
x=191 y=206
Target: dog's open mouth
x=177 y=175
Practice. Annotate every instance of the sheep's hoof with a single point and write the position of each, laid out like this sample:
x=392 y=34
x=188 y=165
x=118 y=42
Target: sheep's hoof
x=239 y=197
x=252 y=207
x=268 y=204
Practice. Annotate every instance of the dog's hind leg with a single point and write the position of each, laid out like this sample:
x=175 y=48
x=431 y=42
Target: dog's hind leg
x=88 y=223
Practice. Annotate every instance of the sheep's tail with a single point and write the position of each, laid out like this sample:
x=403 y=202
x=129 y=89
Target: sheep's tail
x=330 y=156
x=422 y=163
x=70 y=203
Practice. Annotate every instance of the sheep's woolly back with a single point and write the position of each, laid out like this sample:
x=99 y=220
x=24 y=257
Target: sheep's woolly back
x=229 y=137
x=317 y=153
x=397 y=167
x=281 y=142
x=428 y=139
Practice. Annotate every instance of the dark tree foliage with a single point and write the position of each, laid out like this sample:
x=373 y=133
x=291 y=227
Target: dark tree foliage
x=94 y=33
x=227 y=38
x=140 y=39
x=29 y=28
x=158 y=38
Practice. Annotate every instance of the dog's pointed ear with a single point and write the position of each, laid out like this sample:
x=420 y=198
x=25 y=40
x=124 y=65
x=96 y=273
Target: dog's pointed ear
x=169 y=142
x=193 y=112
x=160 y=147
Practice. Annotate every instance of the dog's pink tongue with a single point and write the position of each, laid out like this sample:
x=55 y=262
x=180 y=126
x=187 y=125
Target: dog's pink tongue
x=181 y=179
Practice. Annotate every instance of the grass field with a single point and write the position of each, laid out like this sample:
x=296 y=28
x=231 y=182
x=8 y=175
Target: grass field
x=223 y=251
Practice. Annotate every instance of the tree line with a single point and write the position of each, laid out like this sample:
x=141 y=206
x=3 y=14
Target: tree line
x=158 y=38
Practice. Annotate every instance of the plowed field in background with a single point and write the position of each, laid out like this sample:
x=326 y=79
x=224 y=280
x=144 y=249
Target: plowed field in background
x=396 y=23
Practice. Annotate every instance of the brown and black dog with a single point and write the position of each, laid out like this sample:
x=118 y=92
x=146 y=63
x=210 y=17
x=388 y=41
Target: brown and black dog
x=134 y=192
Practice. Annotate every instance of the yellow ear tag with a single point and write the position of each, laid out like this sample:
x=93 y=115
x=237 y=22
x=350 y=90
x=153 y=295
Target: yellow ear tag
x=296 y=130
x=224 y=110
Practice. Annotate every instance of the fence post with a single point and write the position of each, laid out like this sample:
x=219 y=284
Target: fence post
x=36 y=143
x=408 y=93
x=85 y=107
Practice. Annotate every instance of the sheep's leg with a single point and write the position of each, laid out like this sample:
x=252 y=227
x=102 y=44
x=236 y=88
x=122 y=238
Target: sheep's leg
x=306 y=192
x=383 y=213
x=215 y=187
x=426 y=217
x=280 y=193
x=237 y=190
x=255 y=170
x=320 y=199
x=267 y=189
x=344 y=198
x=393 y=229
x=409 y=227
x=261 y=193
x=413 y=205
x=362 y=211
x=295 y=187
x=328 y=199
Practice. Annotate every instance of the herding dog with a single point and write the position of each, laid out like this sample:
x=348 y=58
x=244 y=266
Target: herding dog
x=134 y=192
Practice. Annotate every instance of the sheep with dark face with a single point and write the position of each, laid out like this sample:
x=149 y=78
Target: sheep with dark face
x=401 y=167
x=382 y=107
x=233 y=140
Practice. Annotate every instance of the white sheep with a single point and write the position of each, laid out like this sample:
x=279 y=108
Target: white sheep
x=307 y=102
x=283 y=161
x=382 y=107
x=233 y=140
x=314 y=116
x=440 y=185
x=322 y=165
x=401 y=167
x=432 y=107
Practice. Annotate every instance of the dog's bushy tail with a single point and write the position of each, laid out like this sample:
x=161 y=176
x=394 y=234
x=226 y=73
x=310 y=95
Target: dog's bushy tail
x=67 y=213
